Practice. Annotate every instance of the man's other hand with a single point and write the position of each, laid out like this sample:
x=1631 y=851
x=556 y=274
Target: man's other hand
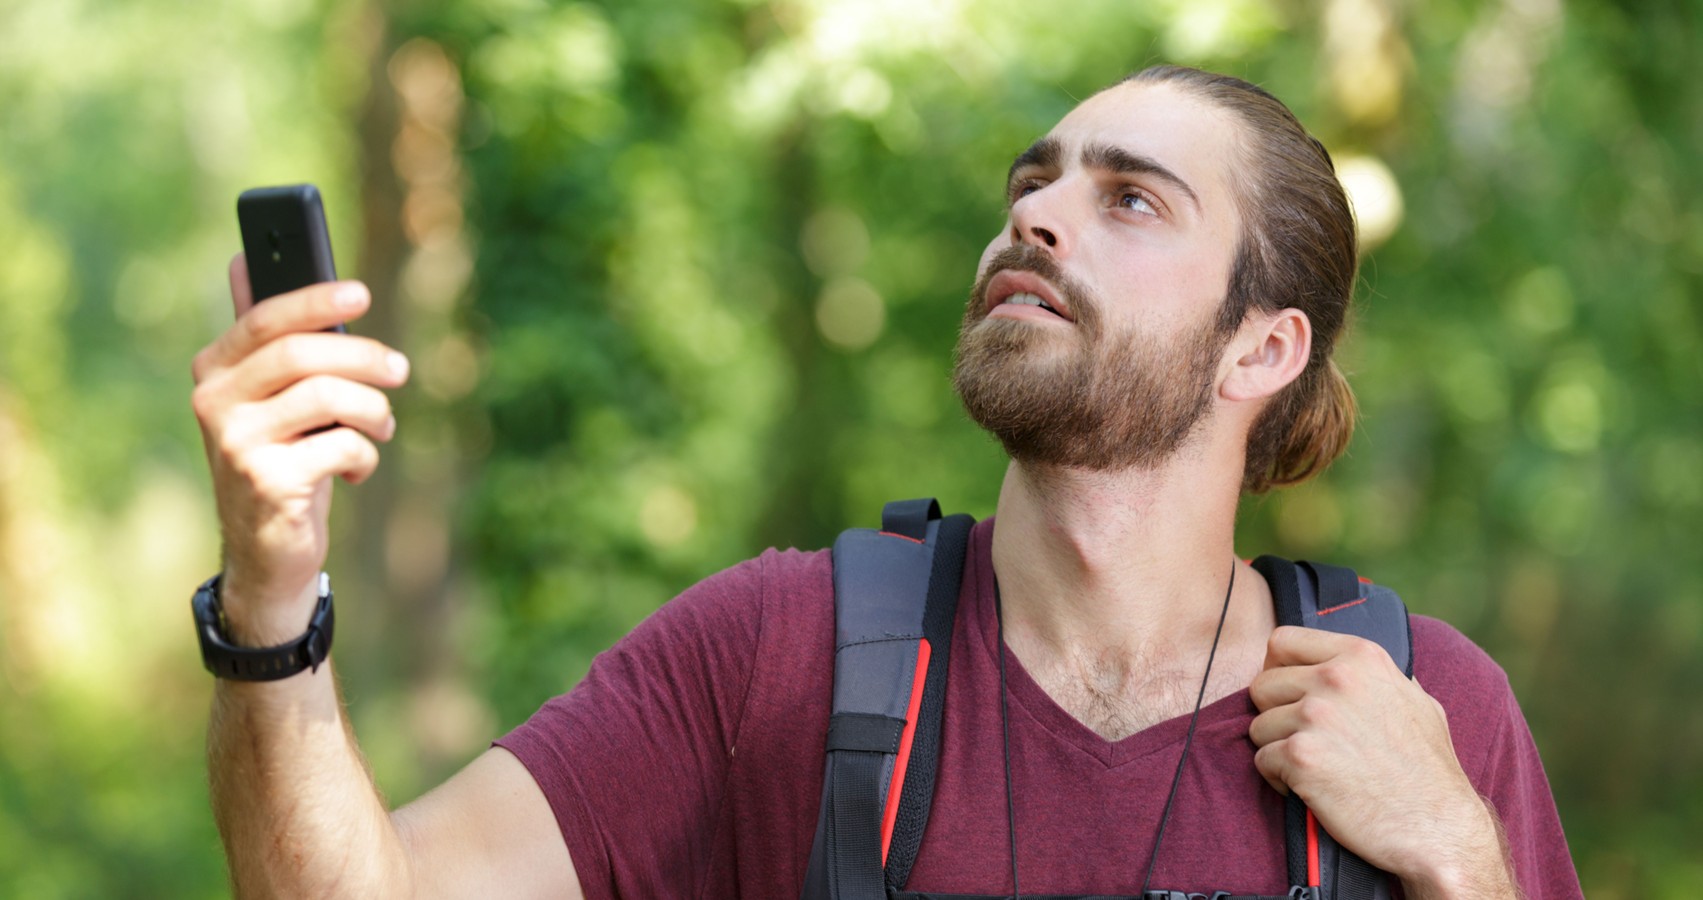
x=1370 y=753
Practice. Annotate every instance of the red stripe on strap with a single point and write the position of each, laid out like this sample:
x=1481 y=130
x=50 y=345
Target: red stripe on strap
x=1312 y=850
x=897 y=788
x=1342 y=606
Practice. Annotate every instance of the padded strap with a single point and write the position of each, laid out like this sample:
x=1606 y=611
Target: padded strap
x=1333 y=598
x=894 y=590
x=917 y=793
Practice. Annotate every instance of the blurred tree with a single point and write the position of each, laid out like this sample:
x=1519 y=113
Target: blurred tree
x=680 y=280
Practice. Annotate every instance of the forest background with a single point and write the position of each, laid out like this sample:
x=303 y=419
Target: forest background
x=680 y=280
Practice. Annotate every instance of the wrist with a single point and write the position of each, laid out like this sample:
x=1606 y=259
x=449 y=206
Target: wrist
x=232 y=660
x=255 y=616
x=1468 y=859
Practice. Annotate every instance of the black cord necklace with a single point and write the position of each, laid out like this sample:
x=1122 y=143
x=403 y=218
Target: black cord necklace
x=1005 y=727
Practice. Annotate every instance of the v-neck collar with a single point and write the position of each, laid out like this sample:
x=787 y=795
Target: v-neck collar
x=1030 y=699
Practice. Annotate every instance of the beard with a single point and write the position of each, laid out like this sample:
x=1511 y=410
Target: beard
x=1089 y=399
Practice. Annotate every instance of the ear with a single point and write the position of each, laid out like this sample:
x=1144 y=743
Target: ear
x=1270 y=350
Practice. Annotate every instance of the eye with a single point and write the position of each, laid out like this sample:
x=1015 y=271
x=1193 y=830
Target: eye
x=1020 y=189
x=1136 y=201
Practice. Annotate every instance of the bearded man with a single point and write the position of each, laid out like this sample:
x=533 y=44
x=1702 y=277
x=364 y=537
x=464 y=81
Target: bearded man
x=1150 y=338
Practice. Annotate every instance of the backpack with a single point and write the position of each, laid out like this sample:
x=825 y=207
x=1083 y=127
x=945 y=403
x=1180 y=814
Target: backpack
x=895 y=602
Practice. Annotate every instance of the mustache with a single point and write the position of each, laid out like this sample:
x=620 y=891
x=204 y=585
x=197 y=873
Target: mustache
x=1029 y=258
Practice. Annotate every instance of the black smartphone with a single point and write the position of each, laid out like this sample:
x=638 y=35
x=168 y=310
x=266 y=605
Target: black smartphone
x=284 y=239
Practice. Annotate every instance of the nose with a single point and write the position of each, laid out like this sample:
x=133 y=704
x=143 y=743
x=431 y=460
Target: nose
x=1037 y=219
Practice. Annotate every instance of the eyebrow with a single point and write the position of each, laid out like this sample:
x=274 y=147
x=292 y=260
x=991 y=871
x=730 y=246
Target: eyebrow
x=1046 y=152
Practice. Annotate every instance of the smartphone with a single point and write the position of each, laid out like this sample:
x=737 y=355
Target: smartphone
x=284 y=239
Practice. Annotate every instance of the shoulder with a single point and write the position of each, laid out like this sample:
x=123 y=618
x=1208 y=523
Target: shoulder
x=1484 y=717
x=1448 y=664
x=741 y=596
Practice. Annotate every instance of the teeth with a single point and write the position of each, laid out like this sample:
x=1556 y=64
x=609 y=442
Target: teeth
x=1029 y=300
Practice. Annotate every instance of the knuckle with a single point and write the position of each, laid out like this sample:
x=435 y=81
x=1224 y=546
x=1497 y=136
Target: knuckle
x=1313 y=711
x=294 y=353
x=321 y=391
x=244 y=466
x=202 y=401
x=256 y=324
x=1303 y=752
x=1337 y=675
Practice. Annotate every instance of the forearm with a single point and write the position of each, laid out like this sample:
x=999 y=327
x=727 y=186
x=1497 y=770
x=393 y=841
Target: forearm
x=292 y=797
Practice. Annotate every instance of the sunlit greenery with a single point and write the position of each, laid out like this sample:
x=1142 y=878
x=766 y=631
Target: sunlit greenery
x=680 y=279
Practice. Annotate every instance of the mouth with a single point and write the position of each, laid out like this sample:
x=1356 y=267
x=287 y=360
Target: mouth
x=1014 y=293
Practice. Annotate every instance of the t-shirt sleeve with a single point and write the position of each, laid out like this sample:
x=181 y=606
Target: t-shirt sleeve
x=634 y=759
x=1496 y=749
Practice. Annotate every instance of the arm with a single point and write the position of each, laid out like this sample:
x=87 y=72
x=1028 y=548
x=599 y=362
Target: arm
x=1371 y=754
x=295 y=805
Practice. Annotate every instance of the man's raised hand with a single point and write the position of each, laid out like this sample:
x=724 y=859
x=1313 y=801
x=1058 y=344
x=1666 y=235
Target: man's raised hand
x=263 y=391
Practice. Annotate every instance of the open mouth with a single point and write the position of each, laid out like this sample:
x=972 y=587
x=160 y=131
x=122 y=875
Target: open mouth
x=1012 y=292
x=1023 y=299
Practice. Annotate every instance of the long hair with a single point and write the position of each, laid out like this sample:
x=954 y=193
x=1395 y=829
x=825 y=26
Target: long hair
x=1297 y=250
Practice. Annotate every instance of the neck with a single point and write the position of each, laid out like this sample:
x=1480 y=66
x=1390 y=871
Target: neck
x=1121 y=571
x=1131 y=549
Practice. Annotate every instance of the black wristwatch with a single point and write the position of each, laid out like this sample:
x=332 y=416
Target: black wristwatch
x=228 y=660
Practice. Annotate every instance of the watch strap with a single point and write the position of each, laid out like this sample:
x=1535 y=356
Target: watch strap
x=230 y=661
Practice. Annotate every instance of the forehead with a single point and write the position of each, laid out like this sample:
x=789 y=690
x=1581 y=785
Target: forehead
x=1192 y=137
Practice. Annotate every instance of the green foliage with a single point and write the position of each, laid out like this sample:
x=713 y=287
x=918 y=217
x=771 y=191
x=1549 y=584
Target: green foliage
x=721 y=251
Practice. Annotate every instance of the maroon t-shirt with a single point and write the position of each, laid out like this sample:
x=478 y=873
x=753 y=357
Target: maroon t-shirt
x=688 y=763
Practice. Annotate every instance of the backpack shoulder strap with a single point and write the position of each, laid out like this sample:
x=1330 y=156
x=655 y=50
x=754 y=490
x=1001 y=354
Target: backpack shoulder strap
x=895 y=601
x=1334 y=598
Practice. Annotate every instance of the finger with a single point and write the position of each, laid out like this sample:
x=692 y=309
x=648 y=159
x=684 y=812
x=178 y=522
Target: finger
x=1279 y=687
x=314 y=402
x=1292 y=645
x=309 y=309
x=343 y=452
x=1270 y=762
x=242 y=294
x=294 y=357
x=1283 y=722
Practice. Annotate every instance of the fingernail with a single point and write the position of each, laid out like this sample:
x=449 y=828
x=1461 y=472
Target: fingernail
x=390 y=428
x=397 y=362
x=350 y=296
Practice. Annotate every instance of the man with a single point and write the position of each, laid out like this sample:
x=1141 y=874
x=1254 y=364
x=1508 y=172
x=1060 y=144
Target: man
x=1149 y=337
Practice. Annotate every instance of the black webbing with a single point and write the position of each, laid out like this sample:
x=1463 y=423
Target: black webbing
x=1285 y=586
x=1357 y=880
x=951 y=542
x=1336 y=584
x=868 y=733
x=854 y=849
x=910 y=517
x=1295 y=838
